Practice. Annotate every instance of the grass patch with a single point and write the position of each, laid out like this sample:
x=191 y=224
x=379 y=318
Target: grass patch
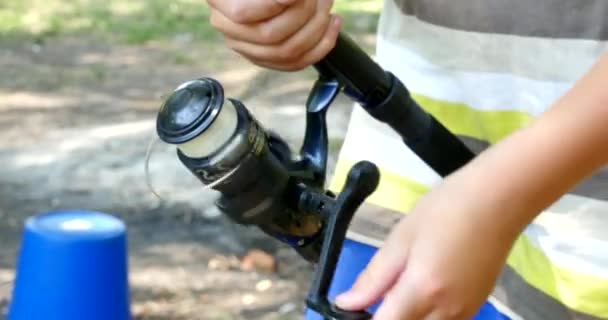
x=360 y=16
x=139 y=21
x=134 y=21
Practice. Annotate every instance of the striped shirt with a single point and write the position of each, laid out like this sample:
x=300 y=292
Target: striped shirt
x=486 y=68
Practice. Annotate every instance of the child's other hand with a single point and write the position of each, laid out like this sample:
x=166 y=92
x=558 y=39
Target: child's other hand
x=439 y=263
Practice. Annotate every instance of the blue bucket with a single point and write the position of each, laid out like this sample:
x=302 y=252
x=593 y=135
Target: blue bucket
x=354 y=258
x=72 y=266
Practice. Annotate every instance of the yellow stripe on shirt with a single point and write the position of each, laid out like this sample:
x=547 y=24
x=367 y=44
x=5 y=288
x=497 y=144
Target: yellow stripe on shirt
x=460 y=119
x=579 y=291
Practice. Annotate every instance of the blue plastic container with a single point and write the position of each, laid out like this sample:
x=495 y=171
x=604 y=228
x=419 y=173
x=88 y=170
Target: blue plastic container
x=72 y=266
x=354 y=258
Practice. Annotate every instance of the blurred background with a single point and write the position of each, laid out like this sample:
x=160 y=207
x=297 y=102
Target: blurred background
x=80 y=84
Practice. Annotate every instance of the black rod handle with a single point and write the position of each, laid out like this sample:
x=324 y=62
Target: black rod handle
x=353 y=67
x=386 y=99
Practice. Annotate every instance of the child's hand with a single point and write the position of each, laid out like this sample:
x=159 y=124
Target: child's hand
x=439 y=263
x=280 y=34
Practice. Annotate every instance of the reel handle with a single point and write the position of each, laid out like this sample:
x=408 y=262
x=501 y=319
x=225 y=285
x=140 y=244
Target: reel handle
x=361 y=182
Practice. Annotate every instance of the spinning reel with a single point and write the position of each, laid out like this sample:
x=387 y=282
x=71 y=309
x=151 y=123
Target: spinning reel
x=263 y=183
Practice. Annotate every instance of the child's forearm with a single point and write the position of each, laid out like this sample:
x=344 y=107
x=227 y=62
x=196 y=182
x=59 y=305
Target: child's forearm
x=519 y=177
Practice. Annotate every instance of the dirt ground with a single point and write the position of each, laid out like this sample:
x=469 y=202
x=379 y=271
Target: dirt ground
x=76 y=116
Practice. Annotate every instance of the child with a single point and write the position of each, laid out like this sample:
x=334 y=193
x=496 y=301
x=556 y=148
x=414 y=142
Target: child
x=524 y=82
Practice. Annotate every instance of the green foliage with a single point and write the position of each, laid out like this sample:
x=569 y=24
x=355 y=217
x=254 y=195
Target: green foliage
x=134 y=21
x=360 y=16
x=139 y=21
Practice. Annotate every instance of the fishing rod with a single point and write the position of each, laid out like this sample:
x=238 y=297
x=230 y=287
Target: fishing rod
x=262 y=182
